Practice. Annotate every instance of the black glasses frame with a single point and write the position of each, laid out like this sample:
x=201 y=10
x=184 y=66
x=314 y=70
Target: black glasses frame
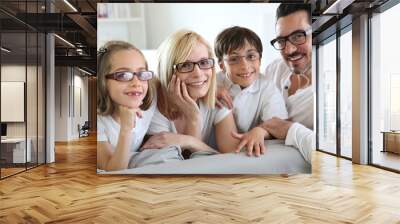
x=177 y=67
x=306 y=32
x=138 y=74
x=228 y=58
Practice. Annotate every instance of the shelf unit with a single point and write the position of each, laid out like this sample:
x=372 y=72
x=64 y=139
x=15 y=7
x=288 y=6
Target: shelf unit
x=121 y=21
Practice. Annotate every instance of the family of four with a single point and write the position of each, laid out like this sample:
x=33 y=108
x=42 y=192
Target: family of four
x=190 y=110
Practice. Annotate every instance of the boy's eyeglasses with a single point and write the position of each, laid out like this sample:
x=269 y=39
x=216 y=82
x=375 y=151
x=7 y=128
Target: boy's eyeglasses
x=235 y=59
x=296 y=38
x=188 y=66
x=127 y=76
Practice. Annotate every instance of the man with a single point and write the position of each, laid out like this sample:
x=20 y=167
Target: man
x=292 y=73
x=292 y=76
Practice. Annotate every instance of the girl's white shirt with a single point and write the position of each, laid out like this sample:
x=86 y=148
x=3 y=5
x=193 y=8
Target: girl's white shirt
x=210 y=117
x=108 y=129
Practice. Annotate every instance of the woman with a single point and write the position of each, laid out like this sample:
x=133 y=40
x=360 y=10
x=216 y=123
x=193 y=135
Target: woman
x=186 y=114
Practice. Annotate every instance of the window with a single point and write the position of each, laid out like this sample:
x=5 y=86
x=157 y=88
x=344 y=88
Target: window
x=346 y=94
x=327 y=96
x=385 y=87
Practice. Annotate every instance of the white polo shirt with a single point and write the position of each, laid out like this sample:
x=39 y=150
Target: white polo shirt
x=300 y=106
x=210 y=117
x=255 y=104
x=108 y=129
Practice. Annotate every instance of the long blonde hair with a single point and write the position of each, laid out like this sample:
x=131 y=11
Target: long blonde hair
x=176 y=49
x=105 y=105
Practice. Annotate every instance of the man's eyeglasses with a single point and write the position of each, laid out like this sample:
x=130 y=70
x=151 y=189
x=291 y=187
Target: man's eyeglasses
x=127 y=76
x=296 y=38
x=188 y=66
x=235 y=59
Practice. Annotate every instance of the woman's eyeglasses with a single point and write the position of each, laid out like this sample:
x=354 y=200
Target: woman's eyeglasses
x=126 y=76
x=188 y=66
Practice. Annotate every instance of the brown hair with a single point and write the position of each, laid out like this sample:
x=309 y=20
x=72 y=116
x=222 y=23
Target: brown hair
x=105 y=105
x=234 y=38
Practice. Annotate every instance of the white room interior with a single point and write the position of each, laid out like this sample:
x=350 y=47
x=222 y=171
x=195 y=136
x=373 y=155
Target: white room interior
x=147 y=25
x=71 y=102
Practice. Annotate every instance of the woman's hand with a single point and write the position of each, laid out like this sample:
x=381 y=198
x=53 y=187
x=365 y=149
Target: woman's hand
x=163 y=139
x=178 y=92
x=253 y=140
x=127 y=117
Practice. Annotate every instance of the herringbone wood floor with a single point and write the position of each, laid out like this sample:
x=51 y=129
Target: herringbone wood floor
x=69 y=191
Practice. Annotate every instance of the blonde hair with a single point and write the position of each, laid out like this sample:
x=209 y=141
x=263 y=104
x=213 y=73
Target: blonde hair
x=105 y=105
x=176 y=49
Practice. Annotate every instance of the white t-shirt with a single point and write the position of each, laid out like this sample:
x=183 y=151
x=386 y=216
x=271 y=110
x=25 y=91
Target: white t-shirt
x=108 y=128
x=256 y=103
x=210 y=117
x=300 y=106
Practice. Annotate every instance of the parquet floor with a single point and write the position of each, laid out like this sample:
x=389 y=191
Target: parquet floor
x=70 y=191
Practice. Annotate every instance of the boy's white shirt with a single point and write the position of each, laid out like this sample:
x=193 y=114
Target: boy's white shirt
x=210 y=117
x=300 y=106
x=108 y=129
x=255 y=104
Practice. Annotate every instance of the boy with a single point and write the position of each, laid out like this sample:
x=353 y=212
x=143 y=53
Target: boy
x=239 y=52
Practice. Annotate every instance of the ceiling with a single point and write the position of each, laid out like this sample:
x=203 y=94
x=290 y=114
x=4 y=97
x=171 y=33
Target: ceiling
x=76 y=26
x=76 y=23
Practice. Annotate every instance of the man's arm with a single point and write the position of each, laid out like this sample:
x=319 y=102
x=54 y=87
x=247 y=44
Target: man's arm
x=302 y=138
x=294 y=134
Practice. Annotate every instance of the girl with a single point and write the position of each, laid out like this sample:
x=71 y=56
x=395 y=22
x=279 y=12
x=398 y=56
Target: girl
x=186 y=115
x=124 y=103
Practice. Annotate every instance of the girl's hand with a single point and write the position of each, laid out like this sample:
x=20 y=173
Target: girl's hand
x=163 y=139
x=127 y=117
x=253 y=140
x=178 y=92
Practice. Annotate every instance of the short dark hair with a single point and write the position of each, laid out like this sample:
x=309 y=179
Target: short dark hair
x=234 y=38
x=287 y=9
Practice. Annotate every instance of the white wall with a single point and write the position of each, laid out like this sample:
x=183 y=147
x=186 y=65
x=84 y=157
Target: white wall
x=210 y=19
x=153 y=22
x=68 y=82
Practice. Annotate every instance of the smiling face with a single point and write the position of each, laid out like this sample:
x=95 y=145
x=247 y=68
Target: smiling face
x=130 y=93
x=244 y=71
x=297 y=57
x=197 y=81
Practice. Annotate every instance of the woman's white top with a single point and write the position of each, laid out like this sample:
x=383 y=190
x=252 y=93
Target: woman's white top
x=300 y=106
x=254 y=104
x=210 y=117
x=108 y=129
